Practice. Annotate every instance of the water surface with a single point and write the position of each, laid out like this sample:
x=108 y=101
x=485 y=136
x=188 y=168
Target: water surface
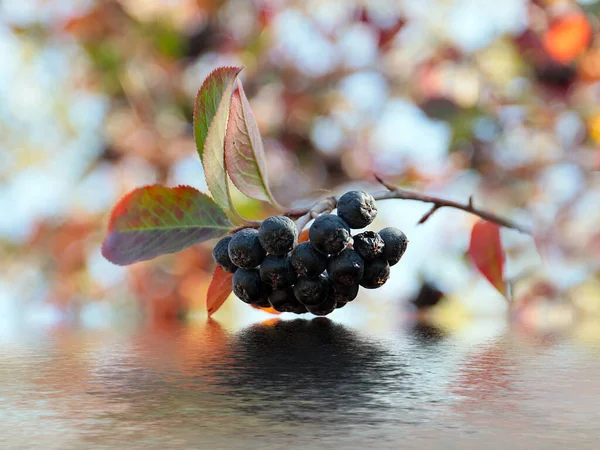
x=298 y=384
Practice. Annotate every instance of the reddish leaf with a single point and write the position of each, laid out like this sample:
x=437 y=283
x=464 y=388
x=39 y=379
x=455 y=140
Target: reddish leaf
x=487 y=253
x=568 y=37
x=211 y=111
x=303 y=237
x=155 y=220
x=267 y=310
x=244 y=151
x=218 y=290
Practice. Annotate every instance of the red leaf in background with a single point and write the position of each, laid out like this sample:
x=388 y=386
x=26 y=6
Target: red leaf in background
x=218 y=290
x=303 y=237
x=487 y=253
x=568 y=37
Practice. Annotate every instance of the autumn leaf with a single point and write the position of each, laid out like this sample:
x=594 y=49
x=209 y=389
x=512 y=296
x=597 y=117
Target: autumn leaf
x=211 y=111
x=269 y=310
x=568 y=37
x=155 y=220
x=303 y=237
x=218 y=290
x=487 y=253
x=244 y=151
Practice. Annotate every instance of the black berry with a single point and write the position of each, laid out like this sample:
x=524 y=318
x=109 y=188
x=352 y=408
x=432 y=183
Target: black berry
x=284 y=300
x=307 y=261
x=278 y=235
x=277 y=271
x=395 y=244
x=377 y=272
x=221 y=255
x=369 y=245
x=311 y=291
x=245 y=250
x=343 y=294
x=323 y=308
x=329 y=234
x=345 y=268
x=248 y=287
x=357 y=208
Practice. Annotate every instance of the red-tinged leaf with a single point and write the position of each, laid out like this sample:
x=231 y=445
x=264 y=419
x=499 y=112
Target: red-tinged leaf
x=568 y=37
x=244 y=151
x=211 y=111
x=303 y=237
x=155 y=220
x=267 y=310
x=218 y=290
x=487 y=253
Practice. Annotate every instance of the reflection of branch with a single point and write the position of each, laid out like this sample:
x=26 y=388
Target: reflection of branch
x=304 y=216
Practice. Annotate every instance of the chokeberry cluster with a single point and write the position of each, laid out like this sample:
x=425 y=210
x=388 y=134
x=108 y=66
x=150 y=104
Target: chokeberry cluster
x=270 y=268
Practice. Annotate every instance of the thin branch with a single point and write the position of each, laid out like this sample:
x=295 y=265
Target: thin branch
x=304 y=216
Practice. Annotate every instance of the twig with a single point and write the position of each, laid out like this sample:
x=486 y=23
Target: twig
x=304 y=216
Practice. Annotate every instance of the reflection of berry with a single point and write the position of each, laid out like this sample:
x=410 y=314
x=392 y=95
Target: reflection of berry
x=369 y=245
x=248 y=287
x=278 y=235
x=357 y=208
x=345 y=268
x=277 y=271
x=307 y=261
x=284 y=300
x=245 y=250
x=395 y=244
x=311 y=291
x=329 y=234
x=377 y=272
x=323 y=308
x=221 y=255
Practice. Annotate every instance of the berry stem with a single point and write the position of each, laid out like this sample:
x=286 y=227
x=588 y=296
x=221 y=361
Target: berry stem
x=303 y=216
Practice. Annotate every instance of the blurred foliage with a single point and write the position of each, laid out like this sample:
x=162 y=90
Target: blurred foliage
x=438 y=95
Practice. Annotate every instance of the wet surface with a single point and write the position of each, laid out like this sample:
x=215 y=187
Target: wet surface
x=298 y=384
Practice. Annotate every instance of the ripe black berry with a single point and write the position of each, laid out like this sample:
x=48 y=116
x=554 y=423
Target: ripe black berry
x=221 y=255
x=248 y=287
x=369 y=245
x=307 y=261
x=343 y=294
x=395 y=244
x=277 y=271
x=278 y=235
x=329 y=234
x=311 y=291
x=284 y=300
x=245 y=250
x=377 y=272
x=345 y=268
x=323 y=308
x=357 y=208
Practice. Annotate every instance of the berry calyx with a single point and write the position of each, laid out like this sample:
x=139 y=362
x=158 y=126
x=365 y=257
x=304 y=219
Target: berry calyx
x=311 y=291
x=277 y=271
x=357 y=208
x=369 y=245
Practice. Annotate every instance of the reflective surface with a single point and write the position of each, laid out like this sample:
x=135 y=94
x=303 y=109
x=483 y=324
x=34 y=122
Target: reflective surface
x=299 y=384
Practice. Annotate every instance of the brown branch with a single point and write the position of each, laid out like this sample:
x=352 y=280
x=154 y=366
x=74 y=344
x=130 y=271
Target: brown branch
x=304 y=216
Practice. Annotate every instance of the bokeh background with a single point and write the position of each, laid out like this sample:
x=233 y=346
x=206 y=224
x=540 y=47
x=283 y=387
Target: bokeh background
x=495 y=99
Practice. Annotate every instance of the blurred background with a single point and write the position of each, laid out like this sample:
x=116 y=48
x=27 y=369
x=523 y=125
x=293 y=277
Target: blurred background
x=495 y=99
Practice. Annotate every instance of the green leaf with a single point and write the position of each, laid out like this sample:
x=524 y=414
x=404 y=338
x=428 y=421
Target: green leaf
x=211 y=111
x=155 y=220
x=244 y=151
